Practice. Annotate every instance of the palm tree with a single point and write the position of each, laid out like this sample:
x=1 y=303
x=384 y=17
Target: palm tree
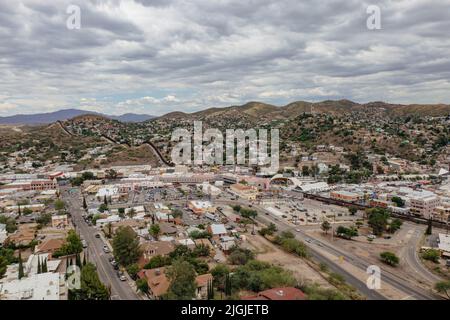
x=155 y=230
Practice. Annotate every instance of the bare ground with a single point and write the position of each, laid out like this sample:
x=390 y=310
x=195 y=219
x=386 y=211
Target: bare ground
x=268 y=252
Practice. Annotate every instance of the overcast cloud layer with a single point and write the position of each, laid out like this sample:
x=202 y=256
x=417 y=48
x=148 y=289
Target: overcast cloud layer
x=159 y=56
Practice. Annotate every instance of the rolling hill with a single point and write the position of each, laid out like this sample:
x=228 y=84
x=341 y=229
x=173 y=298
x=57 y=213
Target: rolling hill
x=50 y=117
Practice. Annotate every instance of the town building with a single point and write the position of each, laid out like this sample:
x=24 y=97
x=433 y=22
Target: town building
x=346 y=196
x=43 y=286
x=60 y=221
x=201 y=207
x=244 y=191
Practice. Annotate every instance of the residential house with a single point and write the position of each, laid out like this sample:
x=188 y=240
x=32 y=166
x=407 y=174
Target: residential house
x=217 y=231
x=60 y=221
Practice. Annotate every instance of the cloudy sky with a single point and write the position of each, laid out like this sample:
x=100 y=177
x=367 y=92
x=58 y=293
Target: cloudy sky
x=157 y=56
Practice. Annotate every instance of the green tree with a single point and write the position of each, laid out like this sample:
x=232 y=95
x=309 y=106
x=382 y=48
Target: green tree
x=429 y=230
x=395 y=225
x=131 y=213
x=353 y=210
x=21 y=272
x=305 y=171
x=84 y=204
x=378 y=220
x=39 y=267
x=44 y=219
x=9 y=222
x=325 y=226
x=443 y=287
x=389 y=258
x=59 y=205
x=182 y=281
x=6 y=257
x=210 y=290
x=431 y=255
x=269 y=230
x=27 y=211
x=155 y=230
x=248 y=213
x=346 y=233
x=219 y=273
x=177 y=213
x=126 y=246
x=142 y=285
x=399 y=202
x=91 y=287
x=133 y=270
x=87 y=176
x=158 y=261
x=44 y=266
x=228 y=287
x=72 y=245
x=240 y=255
x=103 y=207
x=111 y=174
x=78 y=260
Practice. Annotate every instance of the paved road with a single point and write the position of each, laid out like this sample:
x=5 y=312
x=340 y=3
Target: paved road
x=413 y=260
x=387 y=275
x=120 y=290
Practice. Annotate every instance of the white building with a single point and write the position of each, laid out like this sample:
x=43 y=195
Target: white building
x=423 y=205
x=444 y=244
x=110 y=219
x=43 y=286
x=314 y=187
x=3 y=233
x=107 y=191
x=209 y=189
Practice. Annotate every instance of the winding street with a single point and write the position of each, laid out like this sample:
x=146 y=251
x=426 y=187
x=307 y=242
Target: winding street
x=412 y=258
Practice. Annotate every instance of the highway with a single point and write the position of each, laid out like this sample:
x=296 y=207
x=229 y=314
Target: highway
x=386 y=275
x=120 y=290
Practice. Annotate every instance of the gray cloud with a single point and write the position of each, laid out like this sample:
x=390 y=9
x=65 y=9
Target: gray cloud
x=160 y=56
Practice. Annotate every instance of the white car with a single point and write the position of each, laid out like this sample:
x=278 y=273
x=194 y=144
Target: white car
x=105 y=248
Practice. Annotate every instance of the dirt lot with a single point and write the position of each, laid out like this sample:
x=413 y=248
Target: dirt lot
x=268 y=252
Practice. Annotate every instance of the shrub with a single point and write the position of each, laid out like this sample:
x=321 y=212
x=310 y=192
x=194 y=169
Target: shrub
x=389 y=258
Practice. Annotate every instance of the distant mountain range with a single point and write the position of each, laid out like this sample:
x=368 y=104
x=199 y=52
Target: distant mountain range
x=255 y=111
x=50 y=117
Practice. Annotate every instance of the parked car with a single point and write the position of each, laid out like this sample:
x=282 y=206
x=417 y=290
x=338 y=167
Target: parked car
x=121 y=276
x=105 y=249
x=84 y=243
x=97 y=235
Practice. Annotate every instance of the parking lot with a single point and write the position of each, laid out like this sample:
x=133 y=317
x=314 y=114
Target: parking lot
x=308 y=212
